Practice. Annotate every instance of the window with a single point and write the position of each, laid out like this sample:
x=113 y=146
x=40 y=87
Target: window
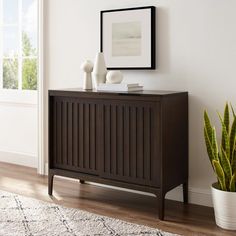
x=18 y=44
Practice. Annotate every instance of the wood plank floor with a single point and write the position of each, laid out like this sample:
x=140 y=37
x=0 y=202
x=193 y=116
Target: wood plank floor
x=180 y=219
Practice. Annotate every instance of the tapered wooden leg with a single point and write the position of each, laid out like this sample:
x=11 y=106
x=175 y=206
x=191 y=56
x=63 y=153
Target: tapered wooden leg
x=81 y=181
x=50 y=183
x=185 y=192
x=161 y=206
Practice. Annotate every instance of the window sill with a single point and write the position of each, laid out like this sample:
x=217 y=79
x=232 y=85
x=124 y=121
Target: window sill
x=18 y=97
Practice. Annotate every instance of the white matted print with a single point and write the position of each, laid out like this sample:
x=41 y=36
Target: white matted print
x=128 y=38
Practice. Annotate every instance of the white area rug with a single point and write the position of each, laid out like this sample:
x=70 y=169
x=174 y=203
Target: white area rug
x=22 y=216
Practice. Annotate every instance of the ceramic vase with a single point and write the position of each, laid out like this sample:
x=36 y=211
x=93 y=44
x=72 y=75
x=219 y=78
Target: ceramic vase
x=99 y=70
x=114 y=77
x=224 y=207
x=87 y=67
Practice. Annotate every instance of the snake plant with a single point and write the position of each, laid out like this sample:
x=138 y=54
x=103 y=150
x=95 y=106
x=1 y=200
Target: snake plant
x=223 y=156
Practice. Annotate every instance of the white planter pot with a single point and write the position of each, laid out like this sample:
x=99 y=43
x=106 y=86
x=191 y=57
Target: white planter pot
x=225 y=208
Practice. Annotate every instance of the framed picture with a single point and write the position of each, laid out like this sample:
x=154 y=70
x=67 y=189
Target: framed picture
x=128 y=38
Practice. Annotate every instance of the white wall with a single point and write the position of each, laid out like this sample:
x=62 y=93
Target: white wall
x=196 y=52
x=18 y=127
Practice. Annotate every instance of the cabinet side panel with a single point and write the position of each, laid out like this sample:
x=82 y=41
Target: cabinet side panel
x=51 y=131
x=155 y=145
x=175 y=140
x=53 y=142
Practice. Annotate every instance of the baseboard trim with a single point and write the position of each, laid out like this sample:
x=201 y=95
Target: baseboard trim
x=17 y=158
x=196 y=196
x=46 y=169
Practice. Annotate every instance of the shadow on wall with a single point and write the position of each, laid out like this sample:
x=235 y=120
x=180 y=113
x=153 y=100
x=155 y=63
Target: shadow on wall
x=162 y=40
x=200 y=170
x=162 y=48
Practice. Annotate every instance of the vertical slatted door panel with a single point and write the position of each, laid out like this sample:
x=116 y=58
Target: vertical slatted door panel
x=154 y=146
x=129 y=131
x=75 y=130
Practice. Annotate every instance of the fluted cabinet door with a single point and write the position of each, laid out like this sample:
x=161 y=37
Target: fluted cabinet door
x=114 y=139
x=74 y=125
x=131 y=142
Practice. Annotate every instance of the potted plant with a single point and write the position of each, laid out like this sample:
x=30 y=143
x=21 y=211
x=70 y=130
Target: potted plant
x=223 y=160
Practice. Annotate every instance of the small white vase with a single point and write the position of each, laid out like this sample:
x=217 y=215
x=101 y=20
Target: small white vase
x=99 y=70
x=224 y=207
x=114 y=77
x=87 y=67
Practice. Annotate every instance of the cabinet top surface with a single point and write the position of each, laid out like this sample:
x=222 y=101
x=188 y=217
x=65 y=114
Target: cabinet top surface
x=144 y=92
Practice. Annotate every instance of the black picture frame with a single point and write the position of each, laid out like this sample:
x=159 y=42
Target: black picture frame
x=136 y=54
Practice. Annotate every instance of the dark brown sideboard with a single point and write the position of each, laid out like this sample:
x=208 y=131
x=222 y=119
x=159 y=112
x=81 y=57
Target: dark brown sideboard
x=134 y=140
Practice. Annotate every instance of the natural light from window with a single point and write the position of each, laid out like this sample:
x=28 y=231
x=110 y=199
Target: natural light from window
x=18 y=44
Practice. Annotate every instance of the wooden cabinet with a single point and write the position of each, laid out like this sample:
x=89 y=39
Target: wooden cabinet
x=133 y=140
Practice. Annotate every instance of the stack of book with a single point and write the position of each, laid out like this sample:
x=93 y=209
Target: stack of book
x=120 y=87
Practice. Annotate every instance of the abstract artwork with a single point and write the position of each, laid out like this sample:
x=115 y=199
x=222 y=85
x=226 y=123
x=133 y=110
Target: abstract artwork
x=126 y=39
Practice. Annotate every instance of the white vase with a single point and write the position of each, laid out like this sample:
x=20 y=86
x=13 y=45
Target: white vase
x=99 y=69
x=114 y=77
x=224 y=207
x=87 y=67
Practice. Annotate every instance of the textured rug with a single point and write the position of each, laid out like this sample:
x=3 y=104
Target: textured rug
x=22 y=216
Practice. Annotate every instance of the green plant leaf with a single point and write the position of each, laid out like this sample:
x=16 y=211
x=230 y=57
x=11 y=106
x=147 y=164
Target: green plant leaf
x=232 y=139
x=232 y=183
x=220 y=174
x=232 y=109
x=220 y=157
x=225 y=138
x=233 y=162
x=221 y=185
x=208 y=145
x=223 y=159
x=226 y=117
x=226 y=165
x=207 y=124
x=214 y=143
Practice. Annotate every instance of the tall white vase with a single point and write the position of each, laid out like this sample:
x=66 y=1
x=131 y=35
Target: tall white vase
x=99 y=70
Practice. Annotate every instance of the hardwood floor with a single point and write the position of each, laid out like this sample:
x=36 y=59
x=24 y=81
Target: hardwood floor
x=180 y=219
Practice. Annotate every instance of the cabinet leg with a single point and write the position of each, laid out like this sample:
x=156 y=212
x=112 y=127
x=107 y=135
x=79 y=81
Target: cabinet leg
x=81 y=181
x=185 y=192
x=161 y=206
x=50 y=183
